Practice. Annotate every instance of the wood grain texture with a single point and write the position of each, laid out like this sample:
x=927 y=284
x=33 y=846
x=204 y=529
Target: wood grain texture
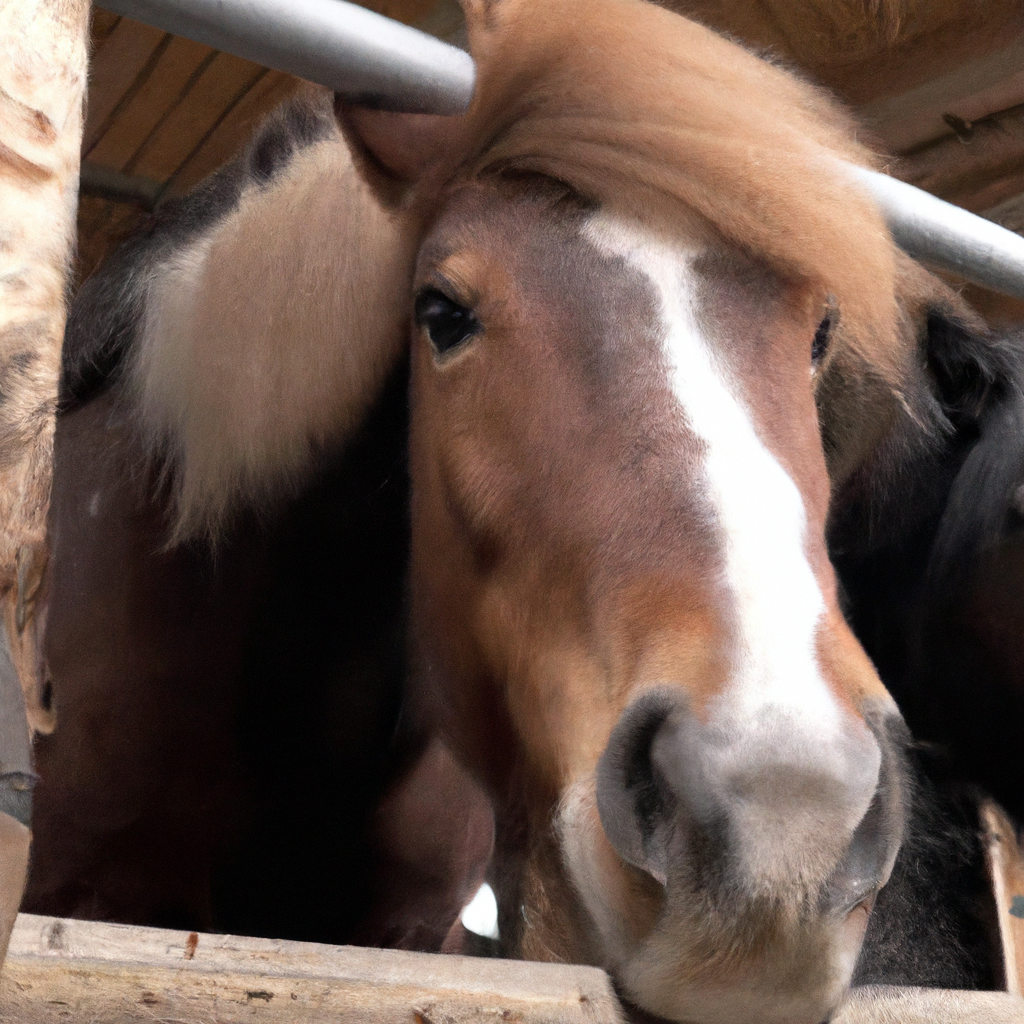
x=1006 y=870
x=979 y=173
x=59 y=970
x=14 y=848
x=43 y=48
x=164 y=89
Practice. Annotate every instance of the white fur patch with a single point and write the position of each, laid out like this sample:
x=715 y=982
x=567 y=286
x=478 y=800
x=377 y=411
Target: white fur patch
x=777 y=710
x=267 y=338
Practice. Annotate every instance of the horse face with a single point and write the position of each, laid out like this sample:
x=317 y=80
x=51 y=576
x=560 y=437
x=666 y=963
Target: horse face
x=623 y=605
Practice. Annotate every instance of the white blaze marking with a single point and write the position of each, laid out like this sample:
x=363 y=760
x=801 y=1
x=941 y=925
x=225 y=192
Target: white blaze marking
x=777 y=601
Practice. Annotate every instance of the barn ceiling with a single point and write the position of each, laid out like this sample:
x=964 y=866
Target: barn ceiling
x=938 y=83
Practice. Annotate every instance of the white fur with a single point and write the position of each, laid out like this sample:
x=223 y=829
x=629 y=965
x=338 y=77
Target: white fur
x=777 y=694
x=266 y=340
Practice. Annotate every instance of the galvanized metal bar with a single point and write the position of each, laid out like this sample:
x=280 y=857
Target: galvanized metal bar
x=947 y=236
x=371 y=60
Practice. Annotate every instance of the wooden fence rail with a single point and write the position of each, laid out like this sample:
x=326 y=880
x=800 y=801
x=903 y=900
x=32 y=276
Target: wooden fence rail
x=91 y=973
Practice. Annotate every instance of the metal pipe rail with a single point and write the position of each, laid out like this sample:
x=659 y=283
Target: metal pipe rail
x=947 y=236
x=371 y=60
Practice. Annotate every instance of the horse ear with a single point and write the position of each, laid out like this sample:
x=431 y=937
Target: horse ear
x=397 y=151
x=958 y=379
x=394 y=152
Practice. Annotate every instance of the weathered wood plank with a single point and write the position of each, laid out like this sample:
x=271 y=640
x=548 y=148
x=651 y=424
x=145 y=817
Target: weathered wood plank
x=1006 y=870
x=883 y=1004
x=114 y=974
x=59 y=971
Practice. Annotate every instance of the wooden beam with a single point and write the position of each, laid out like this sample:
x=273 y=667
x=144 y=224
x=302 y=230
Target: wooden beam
x=60 y=970
x=885 y=1004
x=973 y=90
x=979 y=172
x=1005 y=863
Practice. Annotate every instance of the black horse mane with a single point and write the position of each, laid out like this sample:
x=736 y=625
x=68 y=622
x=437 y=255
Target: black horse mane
x=934 y=924
x=946 y=476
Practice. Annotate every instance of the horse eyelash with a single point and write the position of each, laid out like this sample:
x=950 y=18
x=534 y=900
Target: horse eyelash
x=821 y=338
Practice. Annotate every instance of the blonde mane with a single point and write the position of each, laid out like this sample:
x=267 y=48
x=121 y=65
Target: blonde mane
x=655 y=115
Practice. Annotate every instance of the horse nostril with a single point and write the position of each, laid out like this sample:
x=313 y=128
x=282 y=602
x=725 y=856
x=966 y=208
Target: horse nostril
x=633 y=801
x=868 y=860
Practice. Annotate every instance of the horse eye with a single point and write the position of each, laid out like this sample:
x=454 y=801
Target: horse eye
x=820 y=344
x=447 y=323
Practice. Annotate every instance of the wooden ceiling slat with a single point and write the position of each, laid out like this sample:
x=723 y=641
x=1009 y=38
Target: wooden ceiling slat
x=150 y=105
x=127 y=99
x=116 y=65
x=224 y=114
x=970 y=91
x=235 y=130
x=203 y=106
x=103 y=23
x=866 y=50
x=979 y=174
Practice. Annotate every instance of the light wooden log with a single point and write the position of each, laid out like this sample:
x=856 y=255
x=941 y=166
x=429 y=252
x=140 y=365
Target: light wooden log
x=14 y=846
x=59 y=970
x=884 y=1004
x=1006 y=871
x=42 y=88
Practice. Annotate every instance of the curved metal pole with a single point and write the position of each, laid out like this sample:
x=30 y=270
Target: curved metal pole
x=372 y=60
x=940 y=233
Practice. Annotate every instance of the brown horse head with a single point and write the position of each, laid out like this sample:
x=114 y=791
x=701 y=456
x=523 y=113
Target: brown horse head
x=622 y=601
x=633 y=271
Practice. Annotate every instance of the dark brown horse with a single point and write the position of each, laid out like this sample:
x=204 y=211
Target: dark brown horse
x=652 y=326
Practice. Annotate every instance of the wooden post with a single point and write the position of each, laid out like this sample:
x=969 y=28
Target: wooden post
x=42 y=86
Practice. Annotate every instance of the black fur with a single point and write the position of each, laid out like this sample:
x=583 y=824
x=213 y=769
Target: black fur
x=109 y=307
x=929 y=560
x=929 y=549
x=934 y=924
x=292 y=128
